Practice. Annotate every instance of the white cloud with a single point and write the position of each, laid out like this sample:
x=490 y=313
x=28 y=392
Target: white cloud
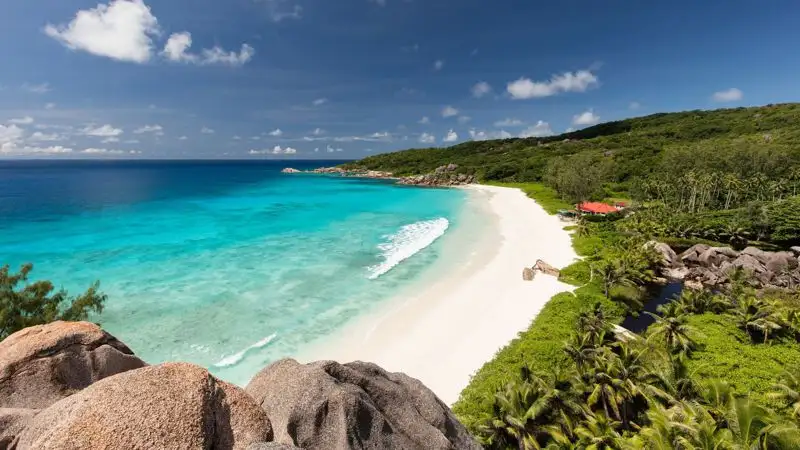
x=541 y=129
x=37 y=88
x=130 y=141
x=109 y=140
x=44 y=137
x=509 y=122
x=330 y=149
x=11 y=142
x=206 y=130
x=102 y=151
x=425 y=120
x=480 y=89
x=477 y=135
x=102 y=131
x=50 y=106
x=318 y=132
x=276 y=132
x=438 y=65
x=121 y=30
x=278 y=12
x=155 y=129
x=464 y=119
x=320 y=101
x=452 y=136
x=27 y=120
x=585 y=118
x=578 y=81
x=426 y=138
x=255 y=138
x=277 y=150
x=633 y=106
x=569 y=130
x=449 y=111
x=237 y=138
x=178 y=44
x=729 y=95
x=183 y=138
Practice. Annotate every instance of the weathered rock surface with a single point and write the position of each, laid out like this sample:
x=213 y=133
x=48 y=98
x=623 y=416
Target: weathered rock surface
x=546 y=269
x=12 y=424
x=327 y=405
x=528 y=274
x=173 y=405
x=668 y=256
x=290 y=170
x=702 y=265
x=442 y=176
x=41 y=365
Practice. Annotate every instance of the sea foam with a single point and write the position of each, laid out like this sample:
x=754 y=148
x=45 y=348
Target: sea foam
x=236 y=358
x=408 y=241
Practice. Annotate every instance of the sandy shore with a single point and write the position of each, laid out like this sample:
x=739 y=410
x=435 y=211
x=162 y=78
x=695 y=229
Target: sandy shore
x=444 y=332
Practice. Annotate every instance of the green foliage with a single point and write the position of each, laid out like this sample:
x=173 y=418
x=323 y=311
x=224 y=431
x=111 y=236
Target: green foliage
x=37 y=304
x=726 y=352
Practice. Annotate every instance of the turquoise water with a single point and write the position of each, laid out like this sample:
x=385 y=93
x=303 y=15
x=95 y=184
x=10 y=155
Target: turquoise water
x=247 y=267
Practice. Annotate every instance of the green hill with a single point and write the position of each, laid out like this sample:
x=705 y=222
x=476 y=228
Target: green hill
x=634 y=146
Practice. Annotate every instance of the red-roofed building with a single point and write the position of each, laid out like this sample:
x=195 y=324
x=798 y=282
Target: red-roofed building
x=596 y=208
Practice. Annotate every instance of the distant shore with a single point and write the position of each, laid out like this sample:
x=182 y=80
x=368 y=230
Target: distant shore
x=446 y=330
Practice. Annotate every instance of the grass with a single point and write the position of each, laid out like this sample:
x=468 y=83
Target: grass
x=726 y=353
x=545 y=196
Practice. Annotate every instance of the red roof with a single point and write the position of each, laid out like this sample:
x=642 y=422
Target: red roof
x=597 y=208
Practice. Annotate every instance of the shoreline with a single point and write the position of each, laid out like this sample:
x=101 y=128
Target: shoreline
x=443 y=331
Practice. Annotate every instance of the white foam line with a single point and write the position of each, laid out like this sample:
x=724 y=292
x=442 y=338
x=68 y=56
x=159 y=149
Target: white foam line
x=407 y=242
x=236 y=358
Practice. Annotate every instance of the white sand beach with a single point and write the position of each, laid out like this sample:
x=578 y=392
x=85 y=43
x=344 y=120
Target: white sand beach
x=445 y=331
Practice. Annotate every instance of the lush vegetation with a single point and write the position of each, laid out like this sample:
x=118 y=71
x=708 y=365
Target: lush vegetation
x=730 y=175
x=24 y=304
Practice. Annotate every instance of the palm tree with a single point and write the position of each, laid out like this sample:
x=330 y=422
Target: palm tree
x=517 y=417
x=788 y=391
x=755 y=427
x=613 y=273
x=755 y=316
x=675 y=332
x=599 y=432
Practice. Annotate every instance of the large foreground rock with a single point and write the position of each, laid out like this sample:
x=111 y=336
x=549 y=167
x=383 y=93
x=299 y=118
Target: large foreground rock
x=327 y=405
x=170 y=406
x=41 y=365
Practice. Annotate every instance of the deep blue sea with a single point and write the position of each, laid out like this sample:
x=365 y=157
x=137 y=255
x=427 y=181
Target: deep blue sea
x=226 y=264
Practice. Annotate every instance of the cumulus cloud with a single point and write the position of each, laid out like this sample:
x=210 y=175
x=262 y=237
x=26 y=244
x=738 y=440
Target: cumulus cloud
x=509 y=122
x=44 y=137
x=277 y=150
x=729 y=95
x=451 y=136
x=121 y=30
x=449 y=111
x=102 y=151
x=155 y=129
x=27 y=120
x=525 y=88
x=480 y=89
x=206 y=130
x=276 y=132
x=585 y=118
x=541 y=129
x=427 y=138
x=177 y=50
x=101 y=131
x=438 y=64
x=425 y=120
x=480 y=135
x=278 y=10
x=320 y=101
x=318 y=131
x=330 y=149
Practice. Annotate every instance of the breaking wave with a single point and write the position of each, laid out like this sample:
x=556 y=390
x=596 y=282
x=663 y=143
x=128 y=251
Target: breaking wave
x=236 y=358
x=407 y=242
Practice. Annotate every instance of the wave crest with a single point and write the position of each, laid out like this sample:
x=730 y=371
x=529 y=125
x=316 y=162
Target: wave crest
x=236 y=358
x=407 y=242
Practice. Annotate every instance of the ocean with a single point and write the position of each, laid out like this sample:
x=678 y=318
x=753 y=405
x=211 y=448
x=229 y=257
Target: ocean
x=226 y=264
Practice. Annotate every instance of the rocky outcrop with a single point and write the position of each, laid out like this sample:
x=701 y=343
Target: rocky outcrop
x=290 y=170
x=41 y=365
x=327 y=405
x=528 y=274
x=173 y=405
x=71 y=385
x=546 y=269
x=703 y=265
x=668 y=256
x=355 y=173
x=442 y=176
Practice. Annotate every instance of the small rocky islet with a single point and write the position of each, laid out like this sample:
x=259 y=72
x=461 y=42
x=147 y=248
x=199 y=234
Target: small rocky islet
x=443 y=176
x=73 y=385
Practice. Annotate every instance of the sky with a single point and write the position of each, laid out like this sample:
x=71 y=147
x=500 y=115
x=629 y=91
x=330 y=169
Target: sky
x=346 y=79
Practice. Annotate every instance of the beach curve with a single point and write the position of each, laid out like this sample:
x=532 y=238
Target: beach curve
x=444 y=331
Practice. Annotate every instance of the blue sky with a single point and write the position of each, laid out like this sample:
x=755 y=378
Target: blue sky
x=349 y=78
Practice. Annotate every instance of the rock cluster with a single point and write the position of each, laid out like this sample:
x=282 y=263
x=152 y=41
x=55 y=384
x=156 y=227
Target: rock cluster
x=342 y=172
x=72 y=385
x=703 y=265
x=442 y=176
x=529 y=273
